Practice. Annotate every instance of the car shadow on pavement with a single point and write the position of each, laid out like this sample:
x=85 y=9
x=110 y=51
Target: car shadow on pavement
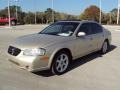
x=83 y=60
x=78 y=62
x=44 y=73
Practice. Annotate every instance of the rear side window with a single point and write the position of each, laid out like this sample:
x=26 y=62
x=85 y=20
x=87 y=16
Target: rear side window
x=96 y=28
x=85 y=27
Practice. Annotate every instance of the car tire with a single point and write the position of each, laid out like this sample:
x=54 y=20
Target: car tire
x=60 y=63
x=13 y=23
x=105 y=47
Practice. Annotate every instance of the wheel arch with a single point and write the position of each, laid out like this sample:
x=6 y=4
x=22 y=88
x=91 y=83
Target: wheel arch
x=107 y=40
x=57 y=51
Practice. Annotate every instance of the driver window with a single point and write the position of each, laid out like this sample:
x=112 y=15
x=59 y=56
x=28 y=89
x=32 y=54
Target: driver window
x=85 y=27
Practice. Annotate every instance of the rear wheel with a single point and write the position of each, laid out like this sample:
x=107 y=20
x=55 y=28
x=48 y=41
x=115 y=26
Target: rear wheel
x=105 y=47
x=13 y=22
x=60 y=63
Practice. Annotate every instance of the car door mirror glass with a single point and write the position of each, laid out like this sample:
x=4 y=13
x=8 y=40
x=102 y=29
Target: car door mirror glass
x=81 y=34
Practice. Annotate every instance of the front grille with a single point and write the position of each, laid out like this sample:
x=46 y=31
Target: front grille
x=13 y=51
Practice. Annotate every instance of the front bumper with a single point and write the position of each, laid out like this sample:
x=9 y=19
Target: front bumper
x=30 y=63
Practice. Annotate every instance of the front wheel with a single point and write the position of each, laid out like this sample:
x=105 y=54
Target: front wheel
x=60 y=63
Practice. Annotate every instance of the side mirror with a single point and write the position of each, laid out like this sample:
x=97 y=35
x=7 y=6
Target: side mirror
x=81 y=34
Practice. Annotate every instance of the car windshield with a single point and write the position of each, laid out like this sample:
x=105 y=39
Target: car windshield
x=60 y=29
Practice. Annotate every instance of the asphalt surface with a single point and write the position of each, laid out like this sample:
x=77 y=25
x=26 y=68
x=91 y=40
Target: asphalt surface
x=93 y=72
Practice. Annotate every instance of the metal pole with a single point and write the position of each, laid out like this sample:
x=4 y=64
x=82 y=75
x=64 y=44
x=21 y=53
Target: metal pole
x=52 y=11
x=9 y=12
x=35 y=17
x=35 y=13
x=16 y=9
x=110 y=17
x=100 y=12
x=118 y=13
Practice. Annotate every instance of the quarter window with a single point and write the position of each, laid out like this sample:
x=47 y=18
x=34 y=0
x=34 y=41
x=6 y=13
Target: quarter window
x=95 y=28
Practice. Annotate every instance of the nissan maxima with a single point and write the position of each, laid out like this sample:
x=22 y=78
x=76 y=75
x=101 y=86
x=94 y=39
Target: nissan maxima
x=56 y=46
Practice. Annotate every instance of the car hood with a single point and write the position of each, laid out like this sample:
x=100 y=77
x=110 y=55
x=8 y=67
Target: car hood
x=38 y=41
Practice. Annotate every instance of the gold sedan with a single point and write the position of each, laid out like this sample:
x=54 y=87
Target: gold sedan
x=57 y=45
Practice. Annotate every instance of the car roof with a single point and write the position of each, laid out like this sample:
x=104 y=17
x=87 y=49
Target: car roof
x=78 y=21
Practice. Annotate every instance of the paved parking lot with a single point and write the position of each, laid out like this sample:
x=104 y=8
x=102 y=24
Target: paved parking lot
x=93 y=72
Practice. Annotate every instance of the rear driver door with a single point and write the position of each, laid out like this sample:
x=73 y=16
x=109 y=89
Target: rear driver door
x=97 y=36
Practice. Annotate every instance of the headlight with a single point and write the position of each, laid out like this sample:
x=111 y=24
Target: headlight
x=34 y=52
